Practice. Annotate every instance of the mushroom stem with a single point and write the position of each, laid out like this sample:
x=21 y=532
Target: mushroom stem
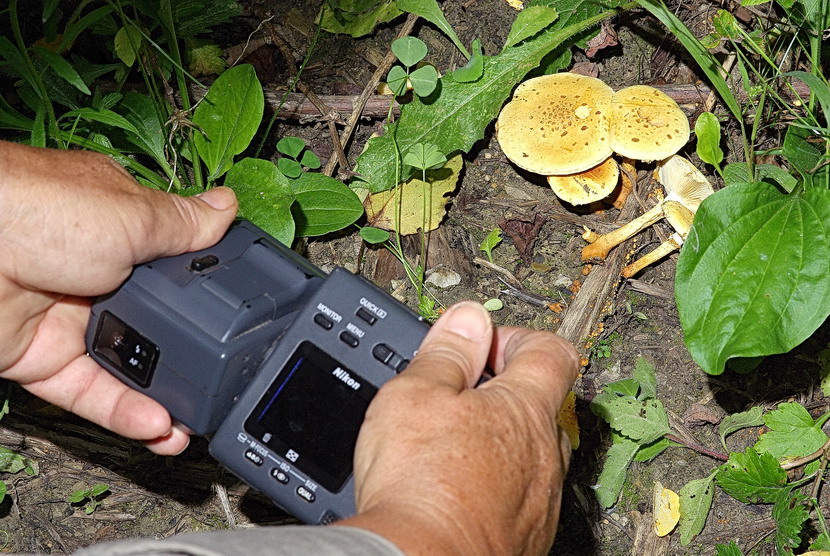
x=668 y=246
x=628 y=176
x=589 y=235
x=603 y=244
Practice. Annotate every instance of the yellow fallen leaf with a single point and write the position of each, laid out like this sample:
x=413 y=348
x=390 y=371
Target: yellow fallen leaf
x=414 y=196
x=666 y=510
x=516 y=4
x=816 y=553
x=567 y=419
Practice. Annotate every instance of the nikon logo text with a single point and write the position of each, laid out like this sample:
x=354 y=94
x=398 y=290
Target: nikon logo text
x=346 y=377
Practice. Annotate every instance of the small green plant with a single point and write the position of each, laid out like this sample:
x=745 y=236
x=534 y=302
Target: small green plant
x=490 y=242
x=295 y=157
x=10 y=461
x=603 y=348
x=89 y=498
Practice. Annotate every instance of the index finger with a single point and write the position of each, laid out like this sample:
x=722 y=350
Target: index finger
x=538 y=363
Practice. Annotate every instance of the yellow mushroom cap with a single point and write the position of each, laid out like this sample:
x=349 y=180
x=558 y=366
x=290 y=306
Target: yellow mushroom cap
x=683 y=182
x=557 y=124
x=588 y=186
x=646 y=124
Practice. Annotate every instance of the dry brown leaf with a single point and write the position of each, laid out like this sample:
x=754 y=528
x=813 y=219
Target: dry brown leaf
x=606 y=37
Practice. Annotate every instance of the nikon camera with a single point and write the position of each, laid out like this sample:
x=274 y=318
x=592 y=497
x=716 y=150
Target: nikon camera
x=251 y=344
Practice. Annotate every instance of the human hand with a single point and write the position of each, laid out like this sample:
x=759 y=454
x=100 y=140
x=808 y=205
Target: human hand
x=442 y=467
x=73 y=225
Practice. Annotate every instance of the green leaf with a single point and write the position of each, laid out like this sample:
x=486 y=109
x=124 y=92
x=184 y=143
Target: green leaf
x=323 y=205
x=646 y=377
x=128 y=41
x=793 y=433
x=800 y=153
x=229 y=115
x=373 y=236
x=38 y=137
x=358 y=23
x=206 y=59
x=459 y=116
x=3 y=489
x=726 y=24
x=149 y=136
x=648 y=452
x=424 y=80
x=409 y=50
x=737 y=421
x=63 y=68
x=695 y=502
x=291 y=168
x=624 y=387
x=771 y=173
x=490 y=242
x=98 y=490
x=474 y=68
x=291 y=146
x=429 y=10
x=818 y=87
x=397 y=80
x=822 y=542
x=12 y=462
x=612 y=477
x=78 y=496
x=529 y=22
x=424 y=157
x=790 y=515
x=707 y=130
x=751 y=478
x=752 y=278
x=103 y=116
x=310 y=160
x=730 y=549
x=265 y=196
x=642 y=421
x=493 y=304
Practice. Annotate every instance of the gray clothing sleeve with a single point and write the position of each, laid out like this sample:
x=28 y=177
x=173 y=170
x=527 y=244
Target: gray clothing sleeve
x=272 y=541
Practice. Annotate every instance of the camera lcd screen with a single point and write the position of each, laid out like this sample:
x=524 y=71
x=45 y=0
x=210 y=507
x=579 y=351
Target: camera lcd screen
x=311 y=414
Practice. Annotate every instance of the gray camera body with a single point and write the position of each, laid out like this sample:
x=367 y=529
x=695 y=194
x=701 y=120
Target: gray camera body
x=252 y=344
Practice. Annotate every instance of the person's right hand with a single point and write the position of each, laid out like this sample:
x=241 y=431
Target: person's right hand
x=443 y=467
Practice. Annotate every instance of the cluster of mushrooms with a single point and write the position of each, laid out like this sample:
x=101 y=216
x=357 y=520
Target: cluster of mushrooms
x=569 y=127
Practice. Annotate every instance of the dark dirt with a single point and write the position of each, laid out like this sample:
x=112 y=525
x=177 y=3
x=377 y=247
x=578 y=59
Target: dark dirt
x=154 y=496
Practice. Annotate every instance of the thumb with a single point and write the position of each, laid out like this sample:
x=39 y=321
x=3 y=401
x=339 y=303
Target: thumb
x=182 y=224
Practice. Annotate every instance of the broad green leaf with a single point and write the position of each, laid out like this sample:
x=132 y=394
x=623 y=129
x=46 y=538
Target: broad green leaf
x=265 y=196
x=291 y=146
x=397 y=80
x=646 y=377
x=800 y=153
x=63 y=68
x=98 y=490
x=822 y=542
x=790 y=515
x=149 y=136
x=736 y=173
x=206 y=59
x=409 y=50
x=707 y=130
x=730 y=549
x=11 y=461
x=491 y=241
x=310 y=160
x=695 y=502
x=424 y=80
x=323 y=205
x=529 y=22
x=818 y=87
x=290 y=167
x=771 y=173
x=77 y=496
x=103 y=116
x=128 y=41
x=424 y=157
x=650 y=451
x=229 y=115
x=429 y=10
x=3 y=489
x=612 y=477
x=642 y=421
x=751 y=478
x=737 y=421
x=458 y=117
x=726 y=24
x=357 y=24
x=624 y=387
x=373 y=236
x=793 y=432
x=752 y=278
x=474 y=68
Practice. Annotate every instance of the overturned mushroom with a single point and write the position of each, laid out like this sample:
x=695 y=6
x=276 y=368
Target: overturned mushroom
x=680 y=219
x=557 y=124
x=588 y=186
x=683 y=183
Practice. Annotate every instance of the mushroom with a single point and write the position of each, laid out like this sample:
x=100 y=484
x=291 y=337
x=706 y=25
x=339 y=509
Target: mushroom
x=680 y=219
x=557 y=124
x=589 y=186
x=646 y=124
x=683 y=183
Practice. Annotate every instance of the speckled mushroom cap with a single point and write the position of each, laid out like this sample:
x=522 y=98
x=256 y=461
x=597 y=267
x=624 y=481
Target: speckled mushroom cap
x=586 y=187
x=557 y=124
x=683 y=181
x=646 y=124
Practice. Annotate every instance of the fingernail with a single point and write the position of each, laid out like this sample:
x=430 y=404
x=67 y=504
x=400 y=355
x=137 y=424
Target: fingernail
x=219 y=198
x=468 y=319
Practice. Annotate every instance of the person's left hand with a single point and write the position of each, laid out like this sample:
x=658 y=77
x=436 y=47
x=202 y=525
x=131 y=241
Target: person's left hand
x=73 y=225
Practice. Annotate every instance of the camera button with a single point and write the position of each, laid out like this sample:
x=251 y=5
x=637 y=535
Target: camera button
x=382 y=353
x=200 y=264
x=279 y=475
x=349 y=339
x=366 y=316
x=323 y=321
x=328 y=518
x=254 y=457
x=305 y=494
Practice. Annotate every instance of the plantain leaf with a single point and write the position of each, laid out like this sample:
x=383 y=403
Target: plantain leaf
x=457 y=118
x=529 y=22
x=323 y=205
x=752 y=278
